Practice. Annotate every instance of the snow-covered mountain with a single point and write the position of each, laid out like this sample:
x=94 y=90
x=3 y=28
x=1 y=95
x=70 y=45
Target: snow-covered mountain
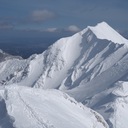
x=91 y=66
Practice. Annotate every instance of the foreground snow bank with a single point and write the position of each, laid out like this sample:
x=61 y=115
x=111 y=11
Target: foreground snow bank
x=34 y=108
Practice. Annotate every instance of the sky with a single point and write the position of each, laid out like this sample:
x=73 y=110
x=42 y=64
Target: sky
x=51 y=18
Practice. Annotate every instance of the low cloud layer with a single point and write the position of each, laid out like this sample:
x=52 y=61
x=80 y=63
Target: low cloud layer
x=42 y=15
x=51 y=29
x=70 y=29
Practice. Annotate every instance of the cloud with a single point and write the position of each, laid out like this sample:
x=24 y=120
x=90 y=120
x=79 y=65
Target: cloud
x=42 y=15
x=51 y=29
x=73 y=28
x=69 y=29
x=5 y=25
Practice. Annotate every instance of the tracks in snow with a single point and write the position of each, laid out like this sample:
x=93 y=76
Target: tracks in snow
x=42 y=124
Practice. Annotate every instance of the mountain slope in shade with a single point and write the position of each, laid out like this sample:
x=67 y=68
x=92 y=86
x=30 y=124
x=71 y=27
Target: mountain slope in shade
x=23 y=107
x=88 y=66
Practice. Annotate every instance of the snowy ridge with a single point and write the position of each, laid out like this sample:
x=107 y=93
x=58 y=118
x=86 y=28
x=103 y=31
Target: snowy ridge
x=45 y=109
x=88 y=66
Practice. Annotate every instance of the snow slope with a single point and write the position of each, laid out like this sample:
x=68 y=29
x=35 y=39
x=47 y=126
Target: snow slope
x=24 y=107
x=88 y=66
x=112 y=104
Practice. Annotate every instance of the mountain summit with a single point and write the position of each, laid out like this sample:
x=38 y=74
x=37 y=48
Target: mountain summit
x=104 y=31
x=90 y=66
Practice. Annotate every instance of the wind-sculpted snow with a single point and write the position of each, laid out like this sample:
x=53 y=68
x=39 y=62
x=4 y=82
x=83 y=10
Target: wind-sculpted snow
x=35 y=108
x=87 y=66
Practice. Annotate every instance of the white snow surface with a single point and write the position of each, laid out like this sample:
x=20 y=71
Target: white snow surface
x=89 y=66
x=104 y=31
x=35 y=108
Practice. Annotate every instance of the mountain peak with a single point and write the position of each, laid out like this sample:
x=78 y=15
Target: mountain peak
x=103 y=23
x=104 y=31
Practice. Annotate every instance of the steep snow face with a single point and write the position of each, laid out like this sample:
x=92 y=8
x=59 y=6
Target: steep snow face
x=23 y=107
x=57 y=61
x=102 y=81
